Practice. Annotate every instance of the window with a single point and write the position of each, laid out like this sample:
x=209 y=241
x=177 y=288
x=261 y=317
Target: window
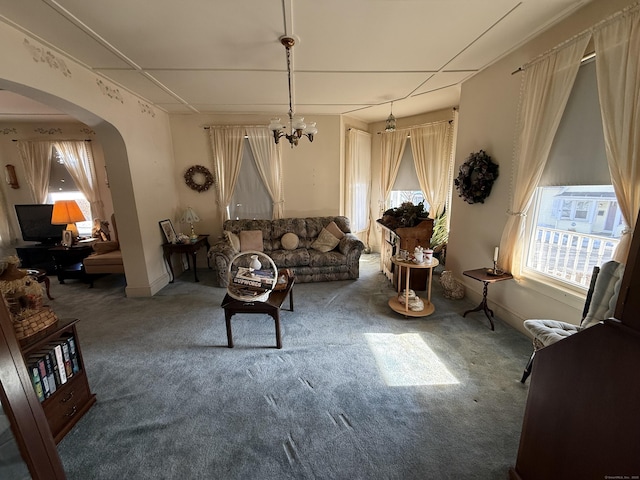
x=575 y=222
x=406 y=187
x=250 y=197
x=62 y=187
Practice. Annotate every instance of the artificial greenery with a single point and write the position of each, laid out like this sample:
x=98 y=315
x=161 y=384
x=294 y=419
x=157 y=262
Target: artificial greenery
x=476 y=177
x=406 y=215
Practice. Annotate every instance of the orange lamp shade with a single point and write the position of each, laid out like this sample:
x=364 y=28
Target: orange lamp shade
x=67 y=212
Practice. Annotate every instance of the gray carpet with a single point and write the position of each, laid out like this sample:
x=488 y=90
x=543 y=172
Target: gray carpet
x=357 y=391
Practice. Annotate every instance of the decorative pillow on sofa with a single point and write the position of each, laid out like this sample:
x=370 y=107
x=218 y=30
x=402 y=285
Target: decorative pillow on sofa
x=335 y=230
x=251 y=240
x=233 y=239
x=325 y=242
x=105 y=247
x=290 y=241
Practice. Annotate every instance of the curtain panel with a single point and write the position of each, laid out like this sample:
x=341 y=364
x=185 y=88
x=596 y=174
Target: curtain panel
x=547 y=84
x=227 y=144
x=617 y=45
x=431 y=147
x=268 y=159
x=392 y=148
x=358 y=180
x=36 y=160
x=78 y=160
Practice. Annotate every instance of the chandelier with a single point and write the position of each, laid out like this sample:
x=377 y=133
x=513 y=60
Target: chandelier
x=391 y=122
x=296 y=127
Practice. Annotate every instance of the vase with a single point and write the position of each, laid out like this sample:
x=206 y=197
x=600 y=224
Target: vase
x=255 y=263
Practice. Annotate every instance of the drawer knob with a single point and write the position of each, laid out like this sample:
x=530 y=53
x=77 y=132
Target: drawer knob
x=67 y=398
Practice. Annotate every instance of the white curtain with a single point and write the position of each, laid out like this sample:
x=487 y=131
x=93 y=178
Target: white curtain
x=268 y=158
x=78 y=160
x=392 y=147
x=227 y=144
x=617 y=45
x=546 y=87
x=431 y=147
x=36 y=159
x=358 y=180
x=6 y=234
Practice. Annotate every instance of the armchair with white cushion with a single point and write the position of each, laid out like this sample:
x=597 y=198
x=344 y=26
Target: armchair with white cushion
x=600 y=304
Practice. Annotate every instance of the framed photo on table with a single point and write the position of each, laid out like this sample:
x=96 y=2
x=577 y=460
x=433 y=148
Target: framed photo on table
x=168 y=230
x=67 y=238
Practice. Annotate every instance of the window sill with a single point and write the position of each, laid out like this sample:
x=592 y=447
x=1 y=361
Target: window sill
x=547 y=286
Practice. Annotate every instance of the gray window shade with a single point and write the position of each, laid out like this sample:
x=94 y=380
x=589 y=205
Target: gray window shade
x=250 y=198
x=407 y=178
x=577 y=155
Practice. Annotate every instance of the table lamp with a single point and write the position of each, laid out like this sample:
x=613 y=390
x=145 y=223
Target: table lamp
x=67 y=212
x=190 y=217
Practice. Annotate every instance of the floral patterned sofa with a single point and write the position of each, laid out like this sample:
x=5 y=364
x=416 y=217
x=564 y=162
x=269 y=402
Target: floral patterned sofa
x=307 y=259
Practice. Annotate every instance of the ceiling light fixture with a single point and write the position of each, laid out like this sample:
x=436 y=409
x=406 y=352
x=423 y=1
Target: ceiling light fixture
x=391 y=121
x=296 y=126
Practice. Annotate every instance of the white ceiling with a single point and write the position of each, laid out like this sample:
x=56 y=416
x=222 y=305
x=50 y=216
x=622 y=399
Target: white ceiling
x=352 y=56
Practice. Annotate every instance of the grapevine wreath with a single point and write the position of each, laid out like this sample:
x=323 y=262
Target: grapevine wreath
x=476 y=177
x=198 y=172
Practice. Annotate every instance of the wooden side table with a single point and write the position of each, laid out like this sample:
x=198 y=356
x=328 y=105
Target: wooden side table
x=483 y=275
x=403 y=308
x=190 y=248
x=68 y=261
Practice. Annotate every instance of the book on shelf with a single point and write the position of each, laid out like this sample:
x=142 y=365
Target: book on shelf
x=57 y=348
x=66 y=355
x=75 y=363
x=35 y=380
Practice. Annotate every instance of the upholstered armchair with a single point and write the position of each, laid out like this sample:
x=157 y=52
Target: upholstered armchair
x=600 y=304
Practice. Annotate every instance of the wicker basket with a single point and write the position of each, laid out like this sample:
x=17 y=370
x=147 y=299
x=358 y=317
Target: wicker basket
x=27 y=326
x=246 y=285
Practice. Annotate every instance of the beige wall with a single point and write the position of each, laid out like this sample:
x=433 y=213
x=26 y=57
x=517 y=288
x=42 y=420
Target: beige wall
x=487 y=119
x=312 y=172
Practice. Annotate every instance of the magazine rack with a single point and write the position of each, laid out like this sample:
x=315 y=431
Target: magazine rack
x=248 y=284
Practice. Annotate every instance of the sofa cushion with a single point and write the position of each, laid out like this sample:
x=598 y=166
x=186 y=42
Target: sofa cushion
x=325 y=242
x=251 y=240
x=290 y=241
x=105 y=247
x=113 y=257
x=335 y=230
x=290 y=258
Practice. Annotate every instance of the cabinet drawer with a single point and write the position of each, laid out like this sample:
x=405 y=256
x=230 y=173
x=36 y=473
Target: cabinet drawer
x=69 y=401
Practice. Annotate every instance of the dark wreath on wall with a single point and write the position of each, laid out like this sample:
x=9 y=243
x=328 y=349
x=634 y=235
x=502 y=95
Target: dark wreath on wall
x=198 y=178
x=476 y=177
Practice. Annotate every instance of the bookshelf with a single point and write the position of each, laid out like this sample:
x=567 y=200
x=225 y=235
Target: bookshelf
x=54 y=362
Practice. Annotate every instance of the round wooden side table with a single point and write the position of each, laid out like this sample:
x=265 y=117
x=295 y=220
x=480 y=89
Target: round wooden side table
x=403 y=308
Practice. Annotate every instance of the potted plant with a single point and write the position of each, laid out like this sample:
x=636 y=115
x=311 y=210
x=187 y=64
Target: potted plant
x=406 y=215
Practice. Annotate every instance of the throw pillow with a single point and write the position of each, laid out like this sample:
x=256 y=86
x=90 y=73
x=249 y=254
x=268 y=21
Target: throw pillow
x=290 y=241
x=335 y=230
x=325 y=242
x=105 y=247
x=233 y=240
x=251 y=240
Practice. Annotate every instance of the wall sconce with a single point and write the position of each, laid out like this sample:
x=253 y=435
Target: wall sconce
x=10 y=176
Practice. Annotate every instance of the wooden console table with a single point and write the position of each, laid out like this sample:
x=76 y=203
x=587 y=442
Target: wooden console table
x=403 y=308
x=191 y=249
x=483 y=275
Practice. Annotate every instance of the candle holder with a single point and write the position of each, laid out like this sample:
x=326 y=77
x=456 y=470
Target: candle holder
x=495 y=270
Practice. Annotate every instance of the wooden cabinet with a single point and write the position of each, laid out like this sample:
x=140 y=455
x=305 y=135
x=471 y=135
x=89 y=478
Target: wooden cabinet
x=72 y=398
x=405 y=238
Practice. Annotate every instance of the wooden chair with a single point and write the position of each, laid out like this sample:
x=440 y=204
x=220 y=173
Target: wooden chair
x=599 y=305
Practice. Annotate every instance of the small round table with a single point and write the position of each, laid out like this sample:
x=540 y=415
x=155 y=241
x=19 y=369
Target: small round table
x=403 y=308
x=41 y=276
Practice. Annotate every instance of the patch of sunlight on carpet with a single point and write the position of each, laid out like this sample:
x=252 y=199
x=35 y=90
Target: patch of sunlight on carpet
x=406 y=360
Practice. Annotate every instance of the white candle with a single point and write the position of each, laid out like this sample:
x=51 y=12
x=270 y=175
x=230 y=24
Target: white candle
x=495 y=255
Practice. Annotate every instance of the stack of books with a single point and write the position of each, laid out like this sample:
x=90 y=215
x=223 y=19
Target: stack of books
x=53 y=366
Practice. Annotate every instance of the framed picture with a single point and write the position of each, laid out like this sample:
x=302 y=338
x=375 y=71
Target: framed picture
x=67 y=238
x=168 y=230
